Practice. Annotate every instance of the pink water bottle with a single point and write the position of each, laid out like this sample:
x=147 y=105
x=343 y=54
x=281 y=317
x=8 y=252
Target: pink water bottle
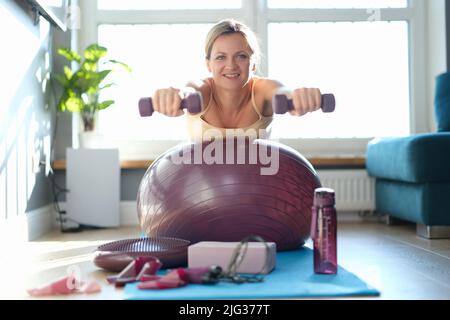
x=324 y=231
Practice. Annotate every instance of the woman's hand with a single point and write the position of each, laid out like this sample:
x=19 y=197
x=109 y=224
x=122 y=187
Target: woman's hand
x=168 y=101
x=305 y=100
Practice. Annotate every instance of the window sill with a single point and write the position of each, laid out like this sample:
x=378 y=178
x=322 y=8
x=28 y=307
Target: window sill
x=350 y=162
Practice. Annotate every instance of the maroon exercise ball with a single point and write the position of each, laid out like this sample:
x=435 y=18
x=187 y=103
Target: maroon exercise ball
x=226 y=190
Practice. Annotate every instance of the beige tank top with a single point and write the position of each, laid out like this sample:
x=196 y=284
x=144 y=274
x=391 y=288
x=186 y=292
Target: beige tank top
x=199 y=129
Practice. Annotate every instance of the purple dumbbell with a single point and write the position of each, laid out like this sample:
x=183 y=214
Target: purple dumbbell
x=282 y=104
x=192 y=102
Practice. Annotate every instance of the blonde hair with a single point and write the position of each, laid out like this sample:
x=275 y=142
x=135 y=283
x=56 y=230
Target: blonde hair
x=230 y=26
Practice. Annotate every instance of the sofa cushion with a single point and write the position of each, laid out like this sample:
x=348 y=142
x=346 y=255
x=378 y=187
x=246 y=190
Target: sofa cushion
x=442 y=102
x=425 y=203
x=417 y=158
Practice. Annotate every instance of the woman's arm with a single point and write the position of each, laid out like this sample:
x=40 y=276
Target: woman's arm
x=304 y=99
x=204 y=88
x=168 y=100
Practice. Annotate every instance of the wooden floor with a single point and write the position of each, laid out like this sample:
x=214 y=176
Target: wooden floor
x=390 y=258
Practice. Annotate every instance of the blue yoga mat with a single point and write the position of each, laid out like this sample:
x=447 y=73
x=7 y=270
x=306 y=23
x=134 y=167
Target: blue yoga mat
x=293 y=277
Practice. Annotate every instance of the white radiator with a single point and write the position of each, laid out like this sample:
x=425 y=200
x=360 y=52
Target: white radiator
x=354 y=189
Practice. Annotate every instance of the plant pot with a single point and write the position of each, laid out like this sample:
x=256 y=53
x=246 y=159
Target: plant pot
x=91 y=140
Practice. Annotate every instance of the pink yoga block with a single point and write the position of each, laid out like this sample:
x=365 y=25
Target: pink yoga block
x=208 y=253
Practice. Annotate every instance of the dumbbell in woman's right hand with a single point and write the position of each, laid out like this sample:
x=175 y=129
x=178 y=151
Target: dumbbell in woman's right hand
x=170 y=102
x=282 y=104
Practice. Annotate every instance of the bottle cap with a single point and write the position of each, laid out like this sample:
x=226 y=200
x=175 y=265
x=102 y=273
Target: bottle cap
x=324 y=197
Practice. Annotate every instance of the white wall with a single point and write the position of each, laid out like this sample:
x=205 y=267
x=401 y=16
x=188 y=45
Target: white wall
x=25 y=114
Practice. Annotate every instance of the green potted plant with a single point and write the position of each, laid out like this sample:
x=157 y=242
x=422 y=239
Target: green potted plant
x=81 y=87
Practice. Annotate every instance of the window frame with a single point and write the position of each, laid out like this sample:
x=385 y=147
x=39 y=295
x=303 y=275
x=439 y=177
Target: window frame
x=257 y=15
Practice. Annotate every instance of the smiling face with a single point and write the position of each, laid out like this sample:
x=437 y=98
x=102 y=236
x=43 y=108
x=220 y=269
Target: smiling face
x=230 y=62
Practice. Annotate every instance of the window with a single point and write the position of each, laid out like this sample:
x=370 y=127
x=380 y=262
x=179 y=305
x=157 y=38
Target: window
x=167 y=4
x=339 y=4
x=351 y=59
x=363 y=51
x=171 y=55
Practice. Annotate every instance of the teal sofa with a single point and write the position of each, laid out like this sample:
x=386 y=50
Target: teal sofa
x=413 y=173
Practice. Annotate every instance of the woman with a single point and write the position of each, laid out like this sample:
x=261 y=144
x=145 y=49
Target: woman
x=233 y=97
